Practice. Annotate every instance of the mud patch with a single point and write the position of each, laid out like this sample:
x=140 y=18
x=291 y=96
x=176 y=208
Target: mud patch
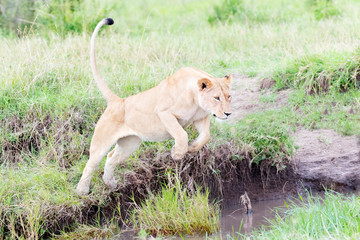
x=267 y=83
x=326 y=157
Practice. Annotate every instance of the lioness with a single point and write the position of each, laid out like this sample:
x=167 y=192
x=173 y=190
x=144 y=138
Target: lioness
x=187 y=97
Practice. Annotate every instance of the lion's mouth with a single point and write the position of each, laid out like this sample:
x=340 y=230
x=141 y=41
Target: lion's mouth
x=220 y=118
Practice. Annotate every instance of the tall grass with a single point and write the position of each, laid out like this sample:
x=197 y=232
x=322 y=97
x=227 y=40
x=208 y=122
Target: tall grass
x=28 y=197
x=47 y=78
x=35 y=17
x=324 y=9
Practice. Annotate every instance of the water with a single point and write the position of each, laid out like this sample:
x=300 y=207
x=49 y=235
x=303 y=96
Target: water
x=233 y=215
x=262 y=210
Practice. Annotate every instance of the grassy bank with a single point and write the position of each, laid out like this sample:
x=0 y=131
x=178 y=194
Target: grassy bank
x=49 y=102
x=331 y=217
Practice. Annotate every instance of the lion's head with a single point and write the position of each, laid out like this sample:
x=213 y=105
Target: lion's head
x=214 y=96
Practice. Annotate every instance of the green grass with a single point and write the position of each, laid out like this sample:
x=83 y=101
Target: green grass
x=333 y=217
x=28 y=196
x=262 y=136
x=46 y=75
x=331 y=111
x=175 y=211
x=337 y=111
x=333 y=71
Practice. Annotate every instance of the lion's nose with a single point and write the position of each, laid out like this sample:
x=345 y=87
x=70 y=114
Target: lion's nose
x=227 y=114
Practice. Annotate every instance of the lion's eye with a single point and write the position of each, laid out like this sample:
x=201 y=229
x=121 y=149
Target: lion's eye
x=229 y=97
x=217 y=98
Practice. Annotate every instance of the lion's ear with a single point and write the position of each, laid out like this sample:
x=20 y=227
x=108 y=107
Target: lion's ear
x=228 y=78
x=204 y=83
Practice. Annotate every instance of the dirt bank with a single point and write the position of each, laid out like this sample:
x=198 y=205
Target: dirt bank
x=326 y=157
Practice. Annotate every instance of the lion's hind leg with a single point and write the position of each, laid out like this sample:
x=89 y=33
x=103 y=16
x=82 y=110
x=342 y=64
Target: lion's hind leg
x=123 y=149
x=105 y=136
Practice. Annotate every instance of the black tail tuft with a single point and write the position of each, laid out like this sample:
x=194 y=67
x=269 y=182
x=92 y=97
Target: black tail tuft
x=109 y=21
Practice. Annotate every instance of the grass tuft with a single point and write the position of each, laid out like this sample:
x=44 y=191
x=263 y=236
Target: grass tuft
x=84 y=232
x=174 y=211
x=227 y=11
x=333 y=71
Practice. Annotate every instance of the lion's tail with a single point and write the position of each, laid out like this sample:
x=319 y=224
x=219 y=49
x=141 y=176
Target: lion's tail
x=104 y=89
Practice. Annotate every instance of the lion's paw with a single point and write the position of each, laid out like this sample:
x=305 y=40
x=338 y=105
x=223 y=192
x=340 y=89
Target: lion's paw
x=82 y=191
x=176 y=154
x=193 y=147
x=111 y=183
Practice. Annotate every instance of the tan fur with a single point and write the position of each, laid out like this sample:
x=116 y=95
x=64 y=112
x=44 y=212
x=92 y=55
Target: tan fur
x=187 y=97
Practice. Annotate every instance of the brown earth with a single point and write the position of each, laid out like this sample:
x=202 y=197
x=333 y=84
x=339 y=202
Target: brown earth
x=327 y=157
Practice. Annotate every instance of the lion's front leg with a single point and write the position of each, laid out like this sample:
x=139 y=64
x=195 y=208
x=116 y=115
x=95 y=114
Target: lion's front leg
x=203 y=127
x=177 y=132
